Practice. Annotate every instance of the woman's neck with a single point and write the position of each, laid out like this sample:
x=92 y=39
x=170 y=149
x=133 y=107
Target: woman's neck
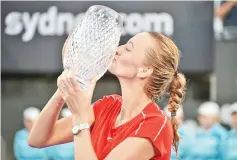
x=134 y=99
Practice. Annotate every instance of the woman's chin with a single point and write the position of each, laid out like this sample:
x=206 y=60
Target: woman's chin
x=111 y=69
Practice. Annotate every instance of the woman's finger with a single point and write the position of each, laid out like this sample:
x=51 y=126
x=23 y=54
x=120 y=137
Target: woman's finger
x=92 y=86
x=62 y=88
x=93 y=83
x=65 y=82
x=64 y=95
x=58 y=80
x=72 y=80
x=60 y=84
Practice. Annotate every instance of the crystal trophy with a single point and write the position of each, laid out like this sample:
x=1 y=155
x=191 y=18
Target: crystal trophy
x=93 y=43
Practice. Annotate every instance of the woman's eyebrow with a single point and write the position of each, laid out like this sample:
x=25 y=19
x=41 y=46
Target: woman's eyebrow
x=131 y=43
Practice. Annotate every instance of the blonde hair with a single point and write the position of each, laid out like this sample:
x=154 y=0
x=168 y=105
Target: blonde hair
x=165 y=78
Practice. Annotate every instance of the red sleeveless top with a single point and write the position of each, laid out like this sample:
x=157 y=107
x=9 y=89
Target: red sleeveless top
x=151 y=123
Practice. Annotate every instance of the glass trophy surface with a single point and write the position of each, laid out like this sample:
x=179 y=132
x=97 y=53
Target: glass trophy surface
x=93 y=43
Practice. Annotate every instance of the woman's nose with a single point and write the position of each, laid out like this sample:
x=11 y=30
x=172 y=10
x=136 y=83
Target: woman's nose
x=119 y=50
x=117 y=53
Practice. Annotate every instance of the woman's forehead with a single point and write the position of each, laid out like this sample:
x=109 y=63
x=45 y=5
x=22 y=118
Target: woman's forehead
x=140 y=36
x=142 y=40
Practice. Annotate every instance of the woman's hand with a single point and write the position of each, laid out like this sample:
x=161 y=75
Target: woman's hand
x=77 y=100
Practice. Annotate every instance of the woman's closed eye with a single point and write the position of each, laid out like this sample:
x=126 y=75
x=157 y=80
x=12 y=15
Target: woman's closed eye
x=127 y=49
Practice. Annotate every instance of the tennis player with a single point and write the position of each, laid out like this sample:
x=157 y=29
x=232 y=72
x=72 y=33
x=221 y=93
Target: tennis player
x=127 y=127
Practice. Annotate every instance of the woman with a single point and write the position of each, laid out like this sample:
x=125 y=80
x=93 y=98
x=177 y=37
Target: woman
x=124 y=127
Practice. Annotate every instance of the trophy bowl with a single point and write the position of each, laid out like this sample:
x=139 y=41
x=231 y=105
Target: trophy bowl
x=93 y=43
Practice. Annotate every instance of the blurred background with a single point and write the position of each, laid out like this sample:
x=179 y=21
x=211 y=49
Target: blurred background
x=33 y=33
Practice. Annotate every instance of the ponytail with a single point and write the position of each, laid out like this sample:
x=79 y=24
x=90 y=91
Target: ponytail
x=177 y=91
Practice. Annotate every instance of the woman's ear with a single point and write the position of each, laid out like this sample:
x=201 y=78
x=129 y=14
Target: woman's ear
x=144 y=72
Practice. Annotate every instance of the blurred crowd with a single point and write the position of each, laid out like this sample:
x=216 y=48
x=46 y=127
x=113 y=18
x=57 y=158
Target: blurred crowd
x=23 y=151
x=214 y=137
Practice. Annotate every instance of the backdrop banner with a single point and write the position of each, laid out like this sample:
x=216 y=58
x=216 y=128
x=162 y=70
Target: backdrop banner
x=33 y=32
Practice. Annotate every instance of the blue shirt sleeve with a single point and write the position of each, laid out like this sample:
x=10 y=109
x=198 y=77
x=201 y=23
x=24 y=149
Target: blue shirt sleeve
x=23 y=151
x=16 y=146
x=223 y=134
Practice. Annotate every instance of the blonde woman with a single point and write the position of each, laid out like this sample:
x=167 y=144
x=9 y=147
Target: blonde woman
x=117 y=127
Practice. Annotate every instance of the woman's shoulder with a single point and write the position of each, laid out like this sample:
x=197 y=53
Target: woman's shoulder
x=108 y=99
x=106 y=102
x=154 y=113
x=154 y=118
x=156 y=127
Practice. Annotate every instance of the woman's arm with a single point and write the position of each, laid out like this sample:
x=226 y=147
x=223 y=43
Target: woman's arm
x=45 y=128
x=48 y=130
